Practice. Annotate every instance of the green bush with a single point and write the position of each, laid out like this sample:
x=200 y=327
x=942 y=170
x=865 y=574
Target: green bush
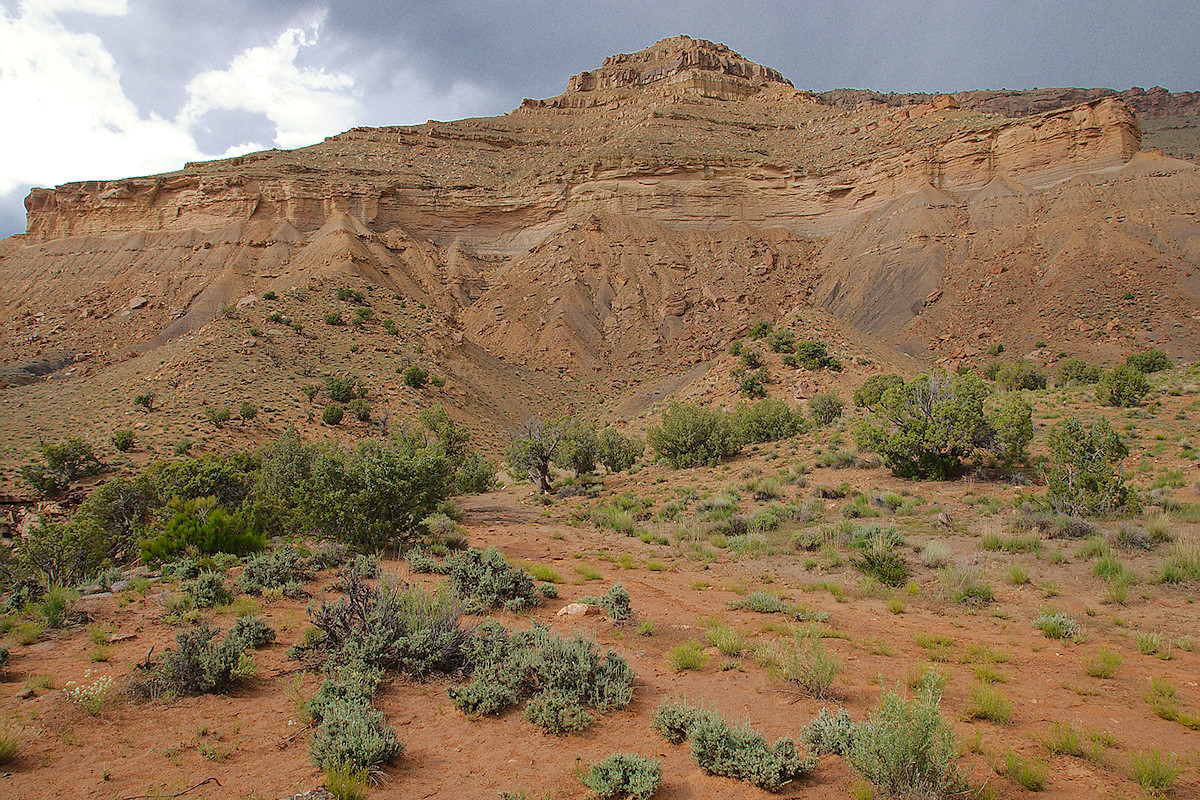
x=767 y=421
x=814 y=355
x=203 y=525
x=1149 y=361
x=1083 y=475
x=616 y=602
x=624 y=775
x=528 y=664
x=334 y=318
x=374 y=495
x=247 y=411
x=344 y=388
x=333 y=414
x=1076 y=371
x=252 y=631
x=830 y=733
x=743 y=754
x=281 y=568
x=354 y=737
x=617 y=452
x=760 y=330
x=415 y=376
x=928 y=426
x=200 y=664
x=906 y=749
x=810 y=665
x=64 y=553
x=782 y=341
x=218 y=416
x=881 y=560
x=61 y=464
x=124 y=440
x=674 y=719
x=753 y=384
x=388 y=628
x=1010 y=430
x=207 y=590
x=533 y=448
x=1122 y=387
x=825 y=407
x=869 y=394
x=360 y=408
x=578 y=449
x=1020 y=374
x=483 y=580
x=692 y=436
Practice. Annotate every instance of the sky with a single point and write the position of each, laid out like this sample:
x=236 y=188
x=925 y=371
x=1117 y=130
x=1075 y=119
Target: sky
x=105 y=89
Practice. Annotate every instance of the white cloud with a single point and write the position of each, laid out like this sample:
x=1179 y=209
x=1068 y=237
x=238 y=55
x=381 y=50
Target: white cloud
x=305 y=104
x=67 y=117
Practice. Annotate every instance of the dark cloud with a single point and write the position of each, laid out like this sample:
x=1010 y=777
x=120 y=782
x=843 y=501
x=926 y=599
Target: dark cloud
x=218 y=130
x=12 y=211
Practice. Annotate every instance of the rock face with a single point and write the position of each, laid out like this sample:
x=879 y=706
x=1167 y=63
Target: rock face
x=639 y=219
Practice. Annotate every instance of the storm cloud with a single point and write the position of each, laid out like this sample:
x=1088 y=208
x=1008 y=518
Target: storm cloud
x=110 y=88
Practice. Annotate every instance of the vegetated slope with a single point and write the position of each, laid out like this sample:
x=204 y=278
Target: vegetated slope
x=626 y=229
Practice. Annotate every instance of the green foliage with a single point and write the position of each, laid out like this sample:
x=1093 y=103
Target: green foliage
x=533 y=448
x=624 y=775
x=742 y=753
x=252 y=631
x=1122 y=387
x=1020 y=374
x=782 y=341
x=825 y=407
x=692 y=436
x=1076 y=372
x=616 y=602
x=1148 y=361
x=1084 y=472
x=472 y=472
x=247 y=411
x=687 y=656
x=218 y=416
x=928 y=426
x=830 y=733
x=753 y=383
x=388 y=628
x=334 y=318
x=146 y=401
x=1155 y=771
x=760 y=330
x=906 y=748
x=1010 y=431
x=228 y=478
x=61 y=464
x=344 y=388
x=124 y=440
x=207 y=590
x=767 y=421
x=483 y=579
x=1057 y=625
x=350 y=295
x=561 y=678
x=200 y=664
x=354 y=737
x=578 y=449
x=64 y=553
x=869 y=394
x=202 y=524
x=809 y=664
x=8 y=744
x=675 y=718
x=814 y=355
x=415 y=376
x=372 y=496
x=1030 y=773
x=616 y=451
x=882 y=560
x=281 y=568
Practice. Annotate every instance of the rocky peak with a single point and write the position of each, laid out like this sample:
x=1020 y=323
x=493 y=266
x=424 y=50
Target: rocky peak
x=679 y=63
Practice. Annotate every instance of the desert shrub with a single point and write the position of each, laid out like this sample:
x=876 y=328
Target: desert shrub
x=1083 y=475
x=8 y=746
x=1122 y=387
x=61 y=464
x=751 y=358
x=63 y=553
x=511 y=667
x=868 y=395
x=742 y=753
x=354 y=737
x=674 y=718
x=906 y=749
x=624 y=775
x=616 y=602
x=415 y=376
x=1010 y=430
x=1028 y=772
x=1057 y=625
x=1148 y=361
x=227 y=477
x=207 y=590
x=344 y=388
x=218 y=416
x=1076 y=371
x=825 y=407
x=782 y=341
x=829 y=732
x=1154 y=770
x=252 y=631
x=753 y=383
x=333 y=414
x=760 y=330
x=1020 y=374
x=578 y=449
x=124 y=440
x=483 y=579
x=247 y=411
x=988 y=703
x=473 y=472
x=967 y=587
x=928 y=426
x=536 y=445
x=123 y=510
x=767 y=421
x=814 y=355
x=617 y=452
x=282 y=568
x=372 y=496
x=334 y=318
x=200 y=664
x=203 y=525
x=691 y=436
x=360 y=409
x=349 y=295
x=809 y=664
